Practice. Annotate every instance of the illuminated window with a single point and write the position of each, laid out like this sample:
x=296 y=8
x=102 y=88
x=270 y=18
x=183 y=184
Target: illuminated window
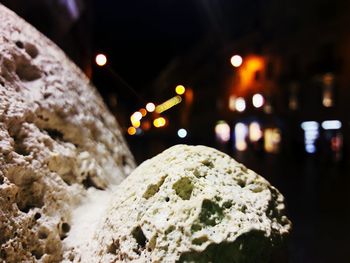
x=222 y=131
x=255 y=132
x=272 y=140
x=232 y=102
x=293 y=103
x=311 y=134
x=240 y=104
x=328 y=83
x=241 y=132
x=327 y=100
x=331 y=125
x=258 y=100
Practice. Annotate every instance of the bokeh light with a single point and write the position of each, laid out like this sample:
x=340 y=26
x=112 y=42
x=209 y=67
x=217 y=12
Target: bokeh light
x=159 y=122
x=136 y=124
x=255 y=132
x=241 y=131
x=222 y=131
x=143 y=112
x=136 y=116
x=240 y=104
x=272 y=140
x=258 y=100
x=168 y=104
x=131 y=131
x=182 y=133
x=150 y=107
x=101 y=60
x=180 y=89
x=236 y=61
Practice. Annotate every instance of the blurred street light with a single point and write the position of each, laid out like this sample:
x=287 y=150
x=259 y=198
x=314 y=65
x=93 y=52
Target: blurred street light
x=136 y=124
x=136 y=116
x=236 y=61
x=101 y=60
x=131 y=131
x=150 y=107
x=159 y=122
x=168 y=104
x=182 y=133
x=180 y=89
x=143 y=112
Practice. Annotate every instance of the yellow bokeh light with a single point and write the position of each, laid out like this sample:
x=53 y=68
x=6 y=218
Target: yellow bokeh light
x=150 y=107
x=101 y=60
x=131 y=131
x=180 y=89
x=272 y=139
x=168 y=104
x=236 y=61
x=159 y=122
x=136 y=124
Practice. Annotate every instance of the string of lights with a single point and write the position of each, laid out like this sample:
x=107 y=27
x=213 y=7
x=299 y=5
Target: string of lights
x=136 y=117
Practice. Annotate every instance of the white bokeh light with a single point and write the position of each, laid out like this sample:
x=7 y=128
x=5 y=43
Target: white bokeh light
x=150 y=107
x=236 y=61
x=101 y=60
x=258 y=100
x=240 y=104
x=182 y=133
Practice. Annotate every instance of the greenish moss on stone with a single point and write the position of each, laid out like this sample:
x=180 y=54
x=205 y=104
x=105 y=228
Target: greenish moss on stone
x=211 y=213
x=200 y=240
x=152 y=189
x=183 y=188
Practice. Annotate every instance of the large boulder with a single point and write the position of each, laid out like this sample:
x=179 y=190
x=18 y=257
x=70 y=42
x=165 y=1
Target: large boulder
x=58 y=144
x=191 y=204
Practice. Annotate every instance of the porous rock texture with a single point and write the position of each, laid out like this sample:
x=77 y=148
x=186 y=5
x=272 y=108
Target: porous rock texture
x=58 y=145
x=191 y=204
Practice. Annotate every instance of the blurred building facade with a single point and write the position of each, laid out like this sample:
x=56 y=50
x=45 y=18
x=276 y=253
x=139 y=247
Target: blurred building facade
x=296 y=59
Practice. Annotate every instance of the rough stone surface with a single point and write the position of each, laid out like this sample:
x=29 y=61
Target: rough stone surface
x=57 y=139
x=191 y=204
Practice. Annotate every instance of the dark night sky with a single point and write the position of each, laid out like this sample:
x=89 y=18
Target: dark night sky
x=142 y=37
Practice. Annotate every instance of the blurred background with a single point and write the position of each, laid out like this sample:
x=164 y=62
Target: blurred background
x=266 y=81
